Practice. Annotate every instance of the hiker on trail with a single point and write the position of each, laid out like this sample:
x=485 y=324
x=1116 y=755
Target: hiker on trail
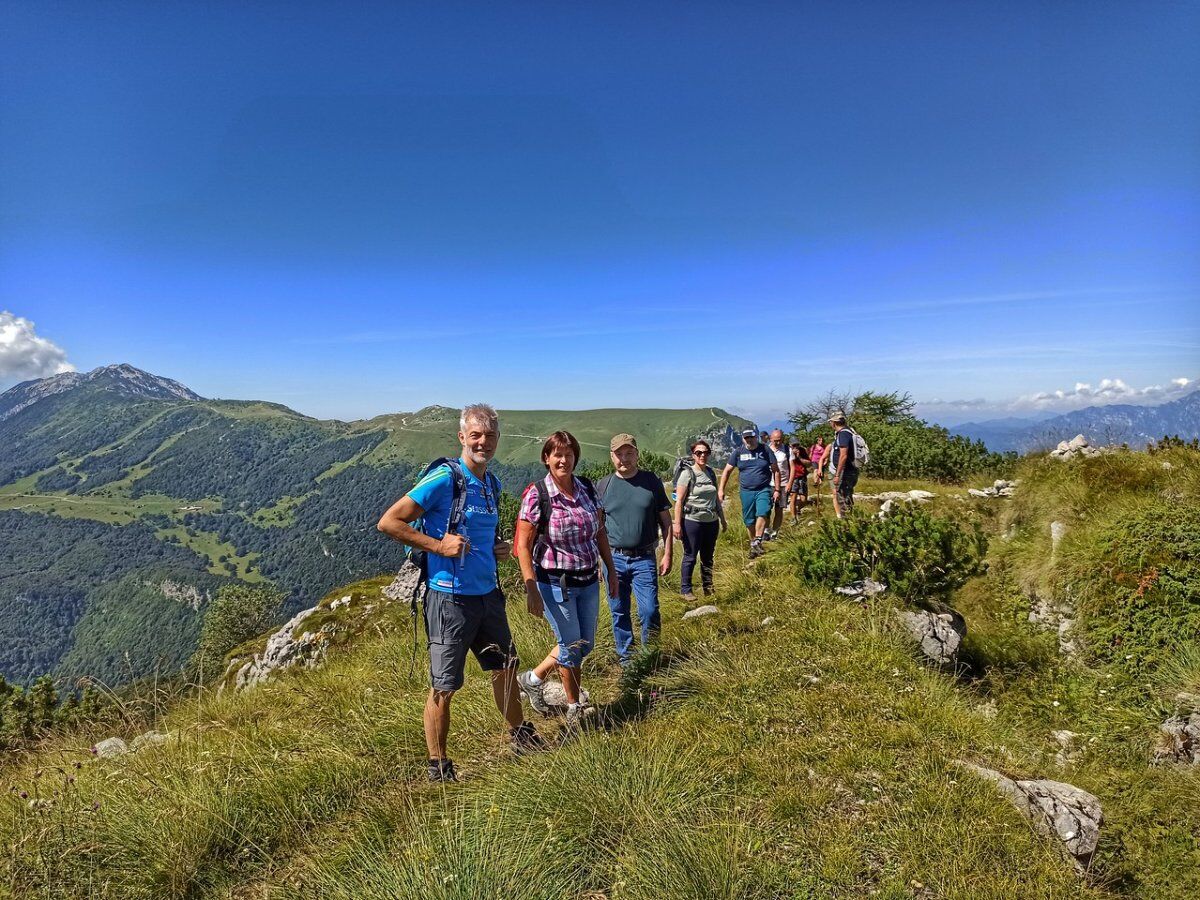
x=699 y=518
x=464 y=607
x=635 y=511
x=560 y=541
x=817 y=452
x=798 y=486
x=783 y=460
x=758 y=477
x=843 y=472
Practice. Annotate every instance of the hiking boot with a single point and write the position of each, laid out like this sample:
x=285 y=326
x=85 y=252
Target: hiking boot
x=533 y=692
x=768 y=535
x=688 y=597
x=442 y=770
x=579 y=717
x=756 y=549
x=709 y=590
x=524 y=739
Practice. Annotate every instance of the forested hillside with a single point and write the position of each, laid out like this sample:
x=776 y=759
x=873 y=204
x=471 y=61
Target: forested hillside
x=169 y=483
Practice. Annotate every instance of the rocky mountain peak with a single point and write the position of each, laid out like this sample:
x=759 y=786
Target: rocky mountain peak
x=121 y=378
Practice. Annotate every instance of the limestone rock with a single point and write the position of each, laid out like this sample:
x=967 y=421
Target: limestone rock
x=1057 y=530
x=699 y=611
x=1179 y=736
x=1056 y=809
x=110 y=747
x=939 y=634
x=283 y=650
x=342 y=601
x=1066 y=747
x=1056 y=615
x=149 y=739
x=405 y=583
x=860 y=589
x=556 y=697
x=769 y=620
x=1077 y=447
x=999 y=488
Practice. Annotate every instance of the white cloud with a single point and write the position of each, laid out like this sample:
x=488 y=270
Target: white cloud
x=1108 y=390
x=24 y=355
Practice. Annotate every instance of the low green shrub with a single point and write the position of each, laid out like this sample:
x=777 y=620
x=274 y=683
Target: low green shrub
x=1147 y=607
x=915 y=553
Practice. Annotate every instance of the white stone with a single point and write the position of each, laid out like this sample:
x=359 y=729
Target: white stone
x=699 y=611
x=110 y=747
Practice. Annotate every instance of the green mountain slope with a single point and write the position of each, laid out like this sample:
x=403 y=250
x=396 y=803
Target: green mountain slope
x=791 y=745
x=250 y=490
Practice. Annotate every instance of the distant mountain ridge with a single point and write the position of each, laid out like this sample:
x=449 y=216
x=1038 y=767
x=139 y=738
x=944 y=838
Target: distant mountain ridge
x=1115 y=424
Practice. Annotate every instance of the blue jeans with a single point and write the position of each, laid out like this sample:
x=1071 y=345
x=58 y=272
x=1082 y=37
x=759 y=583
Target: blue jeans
x=572 y=620
x=636 y=577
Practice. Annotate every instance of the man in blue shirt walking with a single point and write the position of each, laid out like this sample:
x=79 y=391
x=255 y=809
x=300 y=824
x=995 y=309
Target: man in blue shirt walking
x=758 y=478
x=464 y=607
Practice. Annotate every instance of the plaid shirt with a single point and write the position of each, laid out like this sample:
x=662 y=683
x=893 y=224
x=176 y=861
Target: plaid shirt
x=570 y=541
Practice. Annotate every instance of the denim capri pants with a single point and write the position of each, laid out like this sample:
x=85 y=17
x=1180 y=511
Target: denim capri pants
x=572 y=618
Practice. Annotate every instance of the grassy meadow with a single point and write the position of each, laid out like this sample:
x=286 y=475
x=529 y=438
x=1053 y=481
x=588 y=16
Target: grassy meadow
x=791 y=746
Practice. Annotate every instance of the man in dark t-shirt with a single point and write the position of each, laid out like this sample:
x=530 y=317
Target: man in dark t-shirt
x=636 y=511
x=842 y=468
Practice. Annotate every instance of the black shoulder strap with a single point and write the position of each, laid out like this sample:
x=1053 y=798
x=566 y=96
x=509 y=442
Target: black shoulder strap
x=544 y=510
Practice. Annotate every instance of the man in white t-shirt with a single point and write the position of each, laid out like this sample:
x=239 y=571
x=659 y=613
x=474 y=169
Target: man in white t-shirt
x=783 y=457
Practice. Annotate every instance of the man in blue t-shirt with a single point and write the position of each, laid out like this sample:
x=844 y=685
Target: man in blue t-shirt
x=464 y=607
x=758 y=478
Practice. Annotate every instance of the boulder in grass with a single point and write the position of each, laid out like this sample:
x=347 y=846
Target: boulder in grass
x=700 y=611
x=1179 y=736
x=860 y=589
x=1058 y=810
x=110 y=747
x=939 y=633
x=149 y=739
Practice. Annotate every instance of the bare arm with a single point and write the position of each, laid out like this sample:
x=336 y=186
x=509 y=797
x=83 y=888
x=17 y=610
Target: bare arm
x=725 y=473
x=525 y=538
x=681 y=493
x=395 y=523
x=606 y=557
x=664 y=524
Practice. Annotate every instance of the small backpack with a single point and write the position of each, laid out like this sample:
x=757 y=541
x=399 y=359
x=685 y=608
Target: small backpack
x=862 y=453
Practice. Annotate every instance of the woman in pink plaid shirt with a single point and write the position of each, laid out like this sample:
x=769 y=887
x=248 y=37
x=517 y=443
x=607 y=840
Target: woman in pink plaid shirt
x=559 y=564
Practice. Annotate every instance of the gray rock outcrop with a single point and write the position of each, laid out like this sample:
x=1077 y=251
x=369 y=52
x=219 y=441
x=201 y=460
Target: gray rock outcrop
x=1057 y=615
x=859 y=589
x=110 y=747
x=999 y=488
x=149 y=739
x=1056 y=809
x=1179 y=736
x=283 y=650
x=938 y=633
x=1075 y=448
x=404 y=584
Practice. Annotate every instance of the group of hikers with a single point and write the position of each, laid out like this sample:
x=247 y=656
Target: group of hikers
x=570 y=533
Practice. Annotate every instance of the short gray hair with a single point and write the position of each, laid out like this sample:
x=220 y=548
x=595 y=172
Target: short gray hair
x=482 y=413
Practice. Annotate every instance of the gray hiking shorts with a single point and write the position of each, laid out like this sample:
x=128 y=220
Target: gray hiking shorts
x=458 y=623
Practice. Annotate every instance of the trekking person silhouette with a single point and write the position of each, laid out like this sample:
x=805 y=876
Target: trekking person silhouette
x=699 y=519
x=758 y=477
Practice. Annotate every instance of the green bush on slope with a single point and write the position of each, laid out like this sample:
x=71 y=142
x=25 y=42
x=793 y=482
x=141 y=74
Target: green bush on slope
x=915 y=553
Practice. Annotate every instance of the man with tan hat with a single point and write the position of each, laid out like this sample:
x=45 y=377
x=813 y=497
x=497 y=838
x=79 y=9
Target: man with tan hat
x=843 y=468
x=636 y=511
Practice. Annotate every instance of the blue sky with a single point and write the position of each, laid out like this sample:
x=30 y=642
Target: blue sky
x=360 y=208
